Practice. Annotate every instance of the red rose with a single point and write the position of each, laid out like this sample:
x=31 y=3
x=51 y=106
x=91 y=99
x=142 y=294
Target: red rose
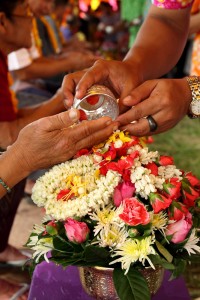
x=190 y=197
x=172 y=188
x=166 y=160
x=76 y=231
x=134 y=212
x=159 y=202
x=153 y=168
x=178 y=211
x=194 y=181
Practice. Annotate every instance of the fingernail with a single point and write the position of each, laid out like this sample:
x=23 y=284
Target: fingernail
x=73 y=115
x=115 y=127
x=127 y=100
x=108 y=122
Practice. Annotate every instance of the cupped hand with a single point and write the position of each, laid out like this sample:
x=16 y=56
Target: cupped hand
x=166 y=100
x=52 y=140
x=119 y=76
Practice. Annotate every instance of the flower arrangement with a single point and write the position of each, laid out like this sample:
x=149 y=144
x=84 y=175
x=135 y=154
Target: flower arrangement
x=118 y=205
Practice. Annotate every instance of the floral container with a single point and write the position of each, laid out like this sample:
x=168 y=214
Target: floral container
x=98 y=281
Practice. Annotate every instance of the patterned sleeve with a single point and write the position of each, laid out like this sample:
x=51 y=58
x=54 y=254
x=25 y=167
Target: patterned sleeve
x=172 y=4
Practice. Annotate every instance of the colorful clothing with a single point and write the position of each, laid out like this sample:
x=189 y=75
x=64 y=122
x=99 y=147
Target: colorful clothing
x=172 y=4
x=195 y=60
x=8 y=110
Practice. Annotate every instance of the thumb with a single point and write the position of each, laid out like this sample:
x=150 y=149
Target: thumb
x=62 y=120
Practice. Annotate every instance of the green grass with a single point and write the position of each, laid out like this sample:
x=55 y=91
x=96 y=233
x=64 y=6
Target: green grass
x=183 y=143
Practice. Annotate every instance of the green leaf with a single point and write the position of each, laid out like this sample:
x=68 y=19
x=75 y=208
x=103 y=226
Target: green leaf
x=131 y=286
x=96 y=255
x=51 y=230
x=180 y=265
x=164 y=252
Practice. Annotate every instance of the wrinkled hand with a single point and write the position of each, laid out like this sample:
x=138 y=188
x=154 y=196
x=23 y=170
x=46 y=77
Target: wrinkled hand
x=166 y=100
x=119 y=76
x=51 y=140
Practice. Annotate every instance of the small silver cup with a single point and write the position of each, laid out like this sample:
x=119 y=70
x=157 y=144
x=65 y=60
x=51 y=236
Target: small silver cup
x=98 y=102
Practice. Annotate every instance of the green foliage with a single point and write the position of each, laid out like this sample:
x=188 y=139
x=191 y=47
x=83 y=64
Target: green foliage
x=131 y=286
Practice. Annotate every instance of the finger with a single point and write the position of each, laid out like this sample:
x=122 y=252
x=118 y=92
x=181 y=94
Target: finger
x=139 y=128
x=140 y=93
x=69 y=85
x=96 y=74
x=60 y=121
x=141 y=110
x=93 y=132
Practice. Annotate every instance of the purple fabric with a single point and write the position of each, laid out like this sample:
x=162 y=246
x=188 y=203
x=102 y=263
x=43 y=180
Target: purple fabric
x=51 y=282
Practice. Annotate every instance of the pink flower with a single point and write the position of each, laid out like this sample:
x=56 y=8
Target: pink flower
x=123 y=190
x=180 y=229
x=166 y=160
x=159 y=202
x=172 y=188
x=134 y=212
x=76 y=231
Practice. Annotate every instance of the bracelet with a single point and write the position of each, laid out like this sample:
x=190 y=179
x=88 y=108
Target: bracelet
x=5 y=186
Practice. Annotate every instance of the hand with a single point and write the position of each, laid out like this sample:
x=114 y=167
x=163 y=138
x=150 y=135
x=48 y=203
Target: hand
x=166 y=100
x=120 y=77
x=51 y=140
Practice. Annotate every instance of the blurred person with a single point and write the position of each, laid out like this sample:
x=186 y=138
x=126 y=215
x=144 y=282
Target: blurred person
x=28 y=65
x=15 y=32
x=147 y=106
x=194 y=31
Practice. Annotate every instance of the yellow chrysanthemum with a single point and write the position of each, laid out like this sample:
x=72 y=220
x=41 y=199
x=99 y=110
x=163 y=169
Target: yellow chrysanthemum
x=159 y=221
x=134 y=250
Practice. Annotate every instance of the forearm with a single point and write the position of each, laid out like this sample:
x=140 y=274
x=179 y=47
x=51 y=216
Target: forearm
x=10 y=130
x=194 y=24
x=159 y=43
x=11 y=169
x=44 y=68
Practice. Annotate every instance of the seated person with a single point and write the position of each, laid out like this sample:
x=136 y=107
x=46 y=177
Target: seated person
x=29 y=64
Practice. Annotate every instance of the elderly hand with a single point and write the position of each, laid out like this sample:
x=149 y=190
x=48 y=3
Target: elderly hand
x=120 y=77
x=166 y=100
x=52 y=140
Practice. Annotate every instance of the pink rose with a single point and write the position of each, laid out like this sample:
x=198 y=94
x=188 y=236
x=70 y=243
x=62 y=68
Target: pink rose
x=134 y=212
x=123 y=190
x=159 y=202
x=180 y=229
x=76 y=231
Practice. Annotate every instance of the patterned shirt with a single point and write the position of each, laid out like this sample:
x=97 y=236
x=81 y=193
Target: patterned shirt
x=172 y=4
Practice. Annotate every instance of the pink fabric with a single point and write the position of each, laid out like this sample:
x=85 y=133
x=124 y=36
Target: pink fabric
x=173 y=4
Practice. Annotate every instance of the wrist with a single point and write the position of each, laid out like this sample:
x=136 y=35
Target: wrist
x=13 y=168
x=194 y=86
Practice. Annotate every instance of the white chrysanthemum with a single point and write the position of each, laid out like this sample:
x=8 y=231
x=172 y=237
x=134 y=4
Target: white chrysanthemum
x=169 y=171
x=134 y=250
x=96 y=191
x=112 y=236
x=40 y=246
x=191 y=245
x=106 y=216
x=159 y=221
